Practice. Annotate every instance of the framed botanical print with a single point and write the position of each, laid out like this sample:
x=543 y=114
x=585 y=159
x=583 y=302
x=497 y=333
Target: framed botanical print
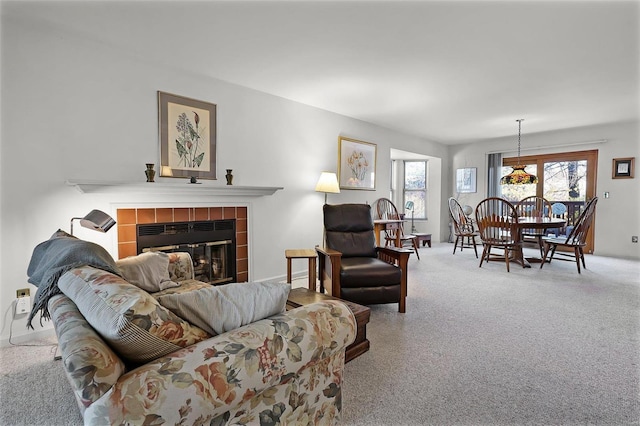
x=623 y=168
x=466 y=179
x=187 y=129
x=356 y=164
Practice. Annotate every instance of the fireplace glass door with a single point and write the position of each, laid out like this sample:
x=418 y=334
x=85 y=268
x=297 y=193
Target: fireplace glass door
x=209 y=260
x=211 y=245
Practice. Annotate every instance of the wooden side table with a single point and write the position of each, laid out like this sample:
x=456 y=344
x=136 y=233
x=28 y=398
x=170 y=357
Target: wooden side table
x=301 y=296
x=303 y=254
x=425 y=238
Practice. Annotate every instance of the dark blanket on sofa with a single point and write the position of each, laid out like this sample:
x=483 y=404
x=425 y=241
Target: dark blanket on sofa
x=52 y=258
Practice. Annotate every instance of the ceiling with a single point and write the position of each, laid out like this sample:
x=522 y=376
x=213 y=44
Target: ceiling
x=451 y=72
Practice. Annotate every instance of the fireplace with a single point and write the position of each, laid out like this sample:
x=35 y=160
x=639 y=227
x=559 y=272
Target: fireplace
x=171 y=219
x=210 y=243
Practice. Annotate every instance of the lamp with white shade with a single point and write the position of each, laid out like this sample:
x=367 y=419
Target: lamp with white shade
x=328 y=183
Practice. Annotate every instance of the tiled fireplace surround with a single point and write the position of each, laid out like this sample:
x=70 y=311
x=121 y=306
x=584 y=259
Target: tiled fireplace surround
x=128 y=218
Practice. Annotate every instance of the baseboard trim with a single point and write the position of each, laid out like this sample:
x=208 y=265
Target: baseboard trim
x=28 y=338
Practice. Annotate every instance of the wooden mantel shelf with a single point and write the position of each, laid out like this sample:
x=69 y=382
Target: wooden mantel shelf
x=182 y=187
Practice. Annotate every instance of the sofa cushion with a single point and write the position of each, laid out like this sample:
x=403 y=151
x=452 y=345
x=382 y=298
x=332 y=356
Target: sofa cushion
x=218 y=309
x=129 y=319
x=185 y=286
x=180 y=266
x=149 y=271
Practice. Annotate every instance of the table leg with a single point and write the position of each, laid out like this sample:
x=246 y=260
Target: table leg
x=518 y=257
x=289 y=270
x=377 y=228
x=312 y=273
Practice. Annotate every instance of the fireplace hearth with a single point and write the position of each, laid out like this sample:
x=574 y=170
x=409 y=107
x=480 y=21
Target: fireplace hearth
x=211 y=244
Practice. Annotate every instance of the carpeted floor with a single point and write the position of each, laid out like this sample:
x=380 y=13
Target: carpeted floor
x=477 y=346
x=480 y=346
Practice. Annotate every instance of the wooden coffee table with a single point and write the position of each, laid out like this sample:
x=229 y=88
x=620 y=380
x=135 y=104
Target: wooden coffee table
x=302 y=296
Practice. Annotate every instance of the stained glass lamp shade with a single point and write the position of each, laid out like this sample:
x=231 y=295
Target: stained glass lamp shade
x=518 y=175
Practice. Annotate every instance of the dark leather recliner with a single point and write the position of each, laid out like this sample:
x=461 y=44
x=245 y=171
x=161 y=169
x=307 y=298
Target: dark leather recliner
x=352 y=267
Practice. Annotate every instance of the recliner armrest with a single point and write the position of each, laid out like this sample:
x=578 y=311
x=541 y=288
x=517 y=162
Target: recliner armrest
x=328 y=252
x=397 y=256
x=394 y=251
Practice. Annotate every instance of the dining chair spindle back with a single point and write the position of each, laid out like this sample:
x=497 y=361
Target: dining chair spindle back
x=532 y=207
x=385 y=209
x=576 y=240
x=463 y=227
x=497 y=222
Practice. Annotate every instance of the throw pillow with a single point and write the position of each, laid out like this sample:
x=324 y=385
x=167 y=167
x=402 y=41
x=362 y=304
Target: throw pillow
x=218 y=309
x=149 y=271
x=128 y=318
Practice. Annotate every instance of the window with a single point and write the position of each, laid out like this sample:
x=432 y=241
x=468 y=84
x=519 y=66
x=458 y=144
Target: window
x=565 y=177
x=415 y=188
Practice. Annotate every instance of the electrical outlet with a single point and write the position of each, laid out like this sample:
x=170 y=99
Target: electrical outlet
x=23 y=301
x=22 y=305
x=634 y=239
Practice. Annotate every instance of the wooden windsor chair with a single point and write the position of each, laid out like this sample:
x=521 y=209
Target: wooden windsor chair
x=576 y=240
x=463 y=227
x=534 y=207
x=384 y=208
x=498 y=226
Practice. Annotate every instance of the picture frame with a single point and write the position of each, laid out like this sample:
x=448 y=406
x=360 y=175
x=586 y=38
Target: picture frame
x=623 y=168
x=356 y=164
x=466 y=180
x=187 y=131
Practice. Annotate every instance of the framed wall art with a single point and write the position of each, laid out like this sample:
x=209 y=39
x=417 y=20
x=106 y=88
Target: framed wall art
x=623 y=168
x=356 y=164
x=187 y=129
x=466 y=179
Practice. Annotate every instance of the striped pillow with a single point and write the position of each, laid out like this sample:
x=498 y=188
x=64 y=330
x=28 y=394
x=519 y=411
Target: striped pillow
x=218 y=309
x=128 y=318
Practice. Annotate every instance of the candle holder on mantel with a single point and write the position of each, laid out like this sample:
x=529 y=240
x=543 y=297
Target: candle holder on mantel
x=150 y=173
x=229 y=177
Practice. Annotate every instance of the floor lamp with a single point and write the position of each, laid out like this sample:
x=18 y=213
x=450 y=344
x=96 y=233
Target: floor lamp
x=96 y=220
x=409 y=206
x=328 y=183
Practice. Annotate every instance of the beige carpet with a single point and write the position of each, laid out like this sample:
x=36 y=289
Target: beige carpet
x=477 y=346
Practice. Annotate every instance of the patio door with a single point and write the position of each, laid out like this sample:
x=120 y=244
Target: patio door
x=565 y=178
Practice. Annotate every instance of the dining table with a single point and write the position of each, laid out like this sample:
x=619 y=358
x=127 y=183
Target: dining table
x=542 y=223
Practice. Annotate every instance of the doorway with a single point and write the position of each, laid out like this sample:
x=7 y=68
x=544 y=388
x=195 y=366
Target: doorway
x=566 y=179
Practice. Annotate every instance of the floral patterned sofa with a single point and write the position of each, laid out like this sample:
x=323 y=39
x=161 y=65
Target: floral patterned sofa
x=284 y=369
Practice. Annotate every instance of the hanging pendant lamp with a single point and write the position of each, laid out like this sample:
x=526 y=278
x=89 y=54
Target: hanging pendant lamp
x=518 y=175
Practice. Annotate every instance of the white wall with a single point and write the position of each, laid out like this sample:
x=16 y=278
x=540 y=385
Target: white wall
x=76 y=109
x=617 y=218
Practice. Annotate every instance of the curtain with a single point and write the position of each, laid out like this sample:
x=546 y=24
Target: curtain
x=494 y=167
